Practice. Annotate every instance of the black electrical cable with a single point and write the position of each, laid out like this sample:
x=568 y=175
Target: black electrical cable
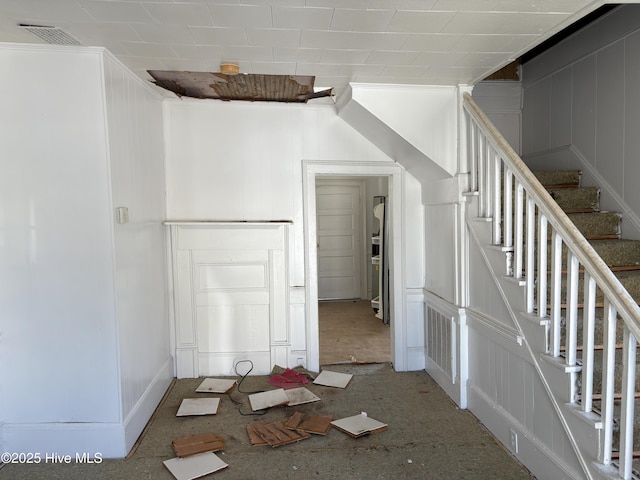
x=240 y=404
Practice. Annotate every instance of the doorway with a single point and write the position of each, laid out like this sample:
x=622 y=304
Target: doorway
x=351 y=328
x=393 y=175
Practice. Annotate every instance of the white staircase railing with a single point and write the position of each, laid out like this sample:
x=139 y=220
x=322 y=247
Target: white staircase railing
x=526 y=221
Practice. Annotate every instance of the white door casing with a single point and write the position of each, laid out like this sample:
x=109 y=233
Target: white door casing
x=338 y=220
x=313 y=170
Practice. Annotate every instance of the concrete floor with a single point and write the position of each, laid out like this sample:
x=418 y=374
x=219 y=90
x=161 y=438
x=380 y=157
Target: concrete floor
x=428 y=437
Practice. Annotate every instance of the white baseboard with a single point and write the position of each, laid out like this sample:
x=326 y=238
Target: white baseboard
x=140 y=414
x=110 y=440
x=62 y=439
x=539 y=459
x=443 y=379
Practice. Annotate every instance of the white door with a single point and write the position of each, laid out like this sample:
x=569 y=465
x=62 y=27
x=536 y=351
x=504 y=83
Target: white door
x=339 y=243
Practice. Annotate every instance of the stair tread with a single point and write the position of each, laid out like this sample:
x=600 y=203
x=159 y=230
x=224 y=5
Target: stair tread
x=558 y=177
x=578 y=199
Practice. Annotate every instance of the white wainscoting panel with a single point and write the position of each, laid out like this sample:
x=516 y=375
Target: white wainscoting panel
x=446 y=346
x=231 y=292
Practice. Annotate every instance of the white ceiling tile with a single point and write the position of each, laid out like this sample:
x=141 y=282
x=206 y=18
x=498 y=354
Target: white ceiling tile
x=166 y=34
x=271 y=3
x=338 y=3
x=344 y=56
x=429 y=59
x=404 y=71
x=36 y=11
x=396 y=57
x=107 y=11
x=139 y=49
x=483 y=43
x=317 y=69
x=183 y=64
x=303 y=18
x=467 y=5
x=218 y=36
x=419 y=22
x=198 y=51
x=142 y=63
x=377 y=41
x=431 y=42
x=351 y=70
x=245 y=16
x=486 y=60
x=557 y=6
x=416 y=5
x=274 y=68
x=176 y=14
x=326 y=39
x=303 y=55
x=273 y=37
x=96 y=33
x=361 y=20
x=456 y=74
x=248 y=54
x=505 y=23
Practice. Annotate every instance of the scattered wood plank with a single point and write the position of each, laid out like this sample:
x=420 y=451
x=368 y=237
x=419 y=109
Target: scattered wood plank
x=216 y=385
x=270 y=398
x=359 y=425
x=276 y=434
x=333 y=379
x=193 y=444
x=318 y=424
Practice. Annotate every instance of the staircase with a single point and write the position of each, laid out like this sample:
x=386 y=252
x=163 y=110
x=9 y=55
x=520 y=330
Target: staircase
x=572 y=285
x=603 y=231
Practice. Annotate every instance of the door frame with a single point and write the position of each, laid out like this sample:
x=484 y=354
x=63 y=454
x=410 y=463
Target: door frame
x=362 y=223
x=395 y=175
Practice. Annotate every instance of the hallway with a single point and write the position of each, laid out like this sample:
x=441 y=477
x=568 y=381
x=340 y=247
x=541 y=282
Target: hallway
x=350 y=332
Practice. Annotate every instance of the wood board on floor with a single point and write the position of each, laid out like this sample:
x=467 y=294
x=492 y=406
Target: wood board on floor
x=274 y=434
x=333 y=379
x=268 y=399
x=198 y=406
x=195 y=466
x=194 y=444
x=300 y=395
x=216 y=385
x=310 y=423
x=359 y=425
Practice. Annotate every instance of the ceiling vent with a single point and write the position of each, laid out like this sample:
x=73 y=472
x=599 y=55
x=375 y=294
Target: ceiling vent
x=52 y=35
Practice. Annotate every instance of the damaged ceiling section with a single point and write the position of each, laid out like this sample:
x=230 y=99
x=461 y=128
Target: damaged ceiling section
x=247 y=87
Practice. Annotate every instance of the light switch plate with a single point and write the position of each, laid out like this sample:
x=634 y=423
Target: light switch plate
x=122 y=215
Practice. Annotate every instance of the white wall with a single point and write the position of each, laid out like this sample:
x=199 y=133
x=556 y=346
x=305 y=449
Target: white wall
x=67 y=380
x=583 y=93
x=136 y=152
x=243 y=161
x=59 y=337
x=501 y=101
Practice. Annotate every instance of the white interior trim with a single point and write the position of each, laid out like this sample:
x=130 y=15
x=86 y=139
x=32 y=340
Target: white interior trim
x=394 y=172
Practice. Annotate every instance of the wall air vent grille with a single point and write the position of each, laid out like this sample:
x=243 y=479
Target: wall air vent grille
x=439 y=340
x=52 y=35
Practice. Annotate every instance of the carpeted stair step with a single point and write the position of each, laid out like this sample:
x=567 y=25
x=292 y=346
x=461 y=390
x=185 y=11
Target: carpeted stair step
x=595 y=226
x=559 y=178
x=630 y=280
x=620 y=254
x=577 y=200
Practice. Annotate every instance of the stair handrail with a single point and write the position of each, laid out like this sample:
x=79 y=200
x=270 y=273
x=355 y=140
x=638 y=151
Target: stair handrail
x=496 y=172
x=573 y=238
